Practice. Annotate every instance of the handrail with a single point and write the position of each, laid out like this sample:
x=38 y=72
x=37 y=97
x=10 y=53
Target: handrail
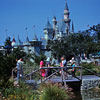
x=68 y=67
x=60 y=68
x=50 y=76
x=91 y=71
x=12 y=72
x=32 y=72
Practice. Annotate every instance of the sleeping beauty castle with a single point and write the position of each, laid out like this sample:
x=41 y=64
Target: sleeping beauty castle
x=57 y=30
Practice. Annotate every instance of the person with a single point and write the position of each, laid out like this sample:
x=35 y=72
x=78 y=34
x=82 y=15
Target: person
x=73 y=68
x=48 y=64
x=19 y=69
x=64 y=64
x=42 y=71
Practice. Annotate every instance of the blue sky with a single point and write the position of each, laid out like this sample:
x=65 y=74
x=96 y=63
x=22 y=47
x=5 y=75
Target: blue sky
x=16 y=15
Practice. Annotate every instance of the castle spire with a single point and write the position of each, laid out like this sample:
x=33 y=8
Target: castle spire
x=72 y=27
x=48 y=25
x=27 y=39
x=67 y=20
x=19 y=41
x=54 y=22
x=35 y=38
x=48 y=31
x=66 y=6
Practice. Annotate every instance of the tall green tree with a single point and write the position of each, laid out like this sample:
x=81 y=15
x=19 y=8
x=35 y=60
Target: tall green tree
x=73 y=45
x=95 y=29
x=8 y=62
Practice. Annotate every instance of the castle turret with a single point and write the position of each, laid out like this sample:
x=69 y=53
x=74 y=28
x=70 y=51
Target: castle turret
x=54 y=27
x=27 y=39
x=35 y=38
x=48 y=31
x=54 y=23
x=20 y=43
x=66 y=18
x=26 y=45
x=72 y=27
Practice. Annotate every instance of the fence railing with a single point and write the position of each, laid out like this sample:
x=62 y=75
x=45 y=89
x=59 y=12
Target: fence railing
x=56 y=70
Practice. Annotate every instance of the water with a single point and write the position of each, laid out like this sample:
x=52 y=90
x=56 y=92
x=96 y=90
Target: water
x=93 y=94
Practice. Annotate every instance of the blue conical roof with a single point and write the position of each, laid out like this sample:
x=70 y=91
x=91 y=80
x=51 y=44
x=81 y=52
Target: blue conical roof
x=19 y=41
x=62 y=26
x=72 y=27
x=27 y=39
x=35 y=38
x=48 y=25
x=66 y=6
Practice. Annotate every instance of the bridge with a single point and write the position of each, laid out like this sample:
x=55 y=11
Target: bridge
x=80 y=81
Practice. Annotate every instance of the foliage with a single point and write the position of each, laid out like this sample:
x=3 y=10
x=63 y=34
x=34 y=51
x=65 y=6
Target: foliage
x=8 y=45
x=8 y=62
x=90 y=66
x=53 y=92
x=23 y=92
x=95 y=29
x=48 y=91
x=8 y=42
x=37 y=58
x=73 y=45
x=18 y=53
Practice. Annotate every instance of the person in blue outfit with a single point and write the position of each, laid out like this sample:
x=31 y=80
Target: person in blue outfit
x=73 y=68
x=48 y=64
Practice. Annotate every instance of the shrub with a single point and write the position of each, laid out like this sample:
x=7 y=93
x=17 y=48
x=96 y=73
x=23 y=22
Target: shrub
x=90 y=66
x=23 y=92
x=53 y=92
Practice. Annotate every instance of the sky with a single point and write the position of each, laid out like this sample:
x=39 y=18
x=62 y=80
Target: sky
x=16 y=15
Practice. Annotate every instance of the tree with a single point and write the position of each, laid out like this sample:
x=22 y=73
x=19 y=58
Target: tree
x=8 y=46
x=8 y=41
x=18 y=53
x=37 y=58
x=96 y=31
x=73 y=45
x=8 y=62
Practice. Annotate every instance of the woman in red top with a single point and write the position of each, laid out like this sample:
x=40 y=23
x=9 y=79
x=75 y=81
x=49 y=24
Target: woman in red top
x=42 y=71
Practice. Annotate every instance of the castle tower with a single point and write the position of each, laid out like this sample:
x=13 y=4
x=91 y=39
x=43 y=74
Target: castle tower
x=54 y=23
x=54 y=27
x=35 y=38
x=19 y=43
x=72 y=27
x=48 y=31
x=27 y=39
x=26 y=45
x=67 y=19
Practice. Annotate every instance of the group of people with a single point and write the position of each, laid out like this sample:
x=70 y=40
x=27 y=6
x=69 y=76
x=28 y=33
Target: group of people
x=46 y=72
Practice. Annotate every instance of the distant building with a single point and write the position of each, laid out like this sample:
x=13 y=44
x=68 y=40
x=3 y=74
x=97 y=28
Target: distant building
x=59 y=29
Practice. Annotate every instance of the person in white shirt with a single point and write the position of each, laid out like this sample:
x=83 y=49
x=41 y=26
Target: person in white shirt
x=19 y=68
